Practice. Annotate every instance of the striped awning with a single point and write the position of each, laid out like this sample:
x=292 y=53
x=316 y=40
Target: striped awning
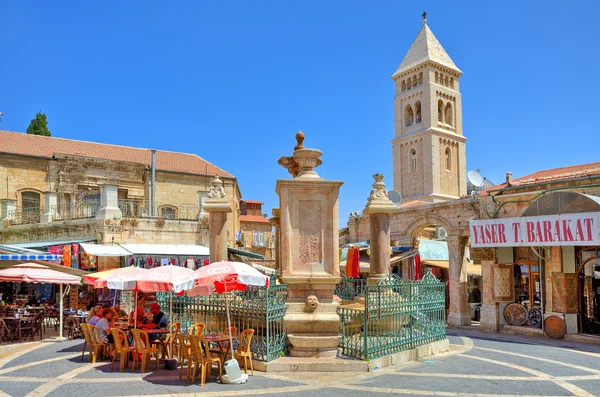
x=30 y=257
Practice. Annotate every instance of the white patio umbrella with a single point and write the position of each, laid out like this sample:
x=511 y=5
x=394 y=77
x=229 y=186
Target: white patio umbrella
x=222 y=277
x=35 y=273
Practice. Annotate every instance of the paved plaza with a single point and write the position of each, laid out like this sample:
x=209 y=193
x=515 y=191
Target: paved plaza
x=478 y=364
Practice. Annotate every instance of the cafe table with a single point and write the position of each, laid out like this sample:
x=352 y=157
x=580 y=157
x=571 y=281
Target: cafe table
x=218 y=340
x=14 y=325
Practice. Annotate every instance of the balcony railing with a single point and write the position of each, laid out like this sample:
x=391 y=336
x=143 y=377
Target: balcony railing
x=83 y=210
x=140 y=209
x=24 y=216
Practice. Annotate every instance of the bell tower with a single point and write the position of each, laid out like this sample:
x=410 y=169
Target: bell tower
x=429 y=149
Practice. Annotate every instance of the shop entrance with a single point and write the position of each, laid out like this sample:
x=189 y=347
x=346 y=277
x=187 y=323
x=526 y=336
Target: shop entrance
x=589 y=290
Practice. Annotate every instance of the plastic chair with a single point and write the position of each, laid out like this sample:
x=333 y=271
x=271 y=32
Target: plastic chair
x=87 y=341
x=122 y=348
x=145 y=351
x=196 y=359
x=97 y=345
x=224 y=346
x=197 y=329
x=182 y=347
x=165 y=344
x=192 y=354
x=243 y=350
x=208 y=360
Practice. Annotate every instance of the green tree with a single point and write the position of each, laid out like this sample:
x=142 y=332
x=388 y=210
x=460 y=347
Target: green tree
x=39 y=125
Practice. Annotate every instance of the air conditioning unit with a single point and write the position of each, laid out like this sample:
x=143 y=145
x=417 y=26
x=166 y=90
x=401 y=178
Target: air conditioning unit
x=441 y=233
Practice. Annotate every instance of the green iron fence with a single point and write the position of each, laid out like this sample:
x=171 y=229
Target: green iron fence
x=258 y=308
x=398 y=315
x=350 y=288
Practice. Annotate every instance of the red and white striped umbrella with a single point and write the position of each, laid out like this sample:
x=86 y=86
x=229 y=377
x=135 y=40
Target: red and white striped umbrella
x=221 y=277
x=34 y=273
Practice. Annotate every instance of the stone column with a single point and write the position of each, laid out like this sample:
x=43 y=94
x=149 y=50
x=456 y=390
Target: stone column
x=379 y=207
x=489 y=309
x=309 y=254
x=7 y=208
x=459 y=307
x=109 y=203
x=275 y=221
x=50 y=207
x=217 y=206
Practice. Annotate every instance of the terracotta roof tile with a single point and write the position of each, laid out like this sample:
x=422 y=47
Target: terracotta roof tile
x=253 y=218
x=252 y=201
x=557 y=174
x=43 y=146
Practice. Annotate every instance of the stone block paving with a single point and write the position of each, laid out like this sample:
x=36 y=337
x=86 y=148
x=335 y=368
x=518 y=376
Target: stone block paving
x=477 y=364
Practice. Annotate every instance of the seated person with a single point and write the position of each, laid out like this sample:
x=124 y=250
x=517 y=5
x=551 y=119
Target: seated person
x=104 y=326
x=97 y=315
x=159 y=320
x=142 y=319
x=118 y=312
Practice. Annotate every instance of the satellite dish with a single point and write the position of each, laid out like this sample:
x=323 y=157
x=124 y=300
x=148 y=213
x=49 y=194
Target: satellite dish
x=395 y=197
x=475 y=178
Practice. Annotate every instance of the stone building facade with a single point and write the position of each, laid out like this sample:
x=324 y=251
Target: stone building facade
x=429 y=165
x=56 y=189
x=255 y=230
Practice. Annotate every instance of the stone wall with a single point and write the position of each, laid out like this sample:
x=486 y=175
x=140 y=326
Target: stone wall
x=248 y=229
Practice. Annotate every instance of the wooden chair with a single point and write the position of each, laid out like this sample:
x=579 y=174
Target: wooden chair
x=6 y=334
x=28 y=329
x=146 y=351
x=197 y=329
x=208 y=360
x=243 y=350
x=122 y=348
x=87 y=341
x=97 y=345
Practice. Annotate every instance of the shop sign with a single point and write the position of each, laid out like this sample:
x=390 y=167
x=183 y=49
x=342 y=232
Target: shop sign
x=549 y=230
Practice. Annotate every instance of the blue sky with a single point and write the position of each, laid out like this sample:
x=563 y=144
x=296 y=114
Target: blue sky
x=233 y=81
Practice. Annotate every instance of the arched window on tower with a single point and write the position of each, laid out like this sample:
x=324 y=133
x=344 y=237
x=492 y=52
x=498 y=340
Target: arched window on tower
x=409 y=115
x=420 y=78
x=413 y=160
x=408 y=83
x=437 y=77
x=448 y=114
x=447 y=81
x=414 y=80
x=418 y=112
x=452 y=82
x=448 y=159
x=440 y=111
x=403 y=85
x=441 y=79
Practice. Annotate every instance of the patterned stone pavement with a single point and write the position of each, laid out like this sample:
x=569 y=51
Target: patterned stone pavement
x=478 y=365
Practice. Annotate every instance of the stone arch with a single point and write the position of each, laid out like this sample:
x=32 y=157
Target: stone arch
x=408 y=83
x=428 y=220
x=448 y=114
x=452 y=82
x=418 y=112
x=437 y=77
x=415 y=81
x=420 y=78
x=403 y=85
x=408 y=116
x=440 y=111
x=448 y=158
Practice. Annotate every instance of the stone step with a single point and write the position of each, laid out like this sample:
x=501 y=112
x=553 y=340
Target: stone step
x=321 y=364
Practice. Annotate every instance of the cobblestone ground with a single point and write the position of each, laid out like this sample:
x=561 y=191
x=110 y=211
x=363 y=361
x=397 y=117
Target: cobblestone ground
x=478 y=364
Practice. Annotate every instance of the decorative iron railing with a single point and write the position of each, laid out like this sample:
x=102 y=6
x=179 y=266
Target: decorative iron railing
x=398 y=315
x=350 y=288
x=81 y=210
x=141 y=209
x=258 y=308
x=22 y=216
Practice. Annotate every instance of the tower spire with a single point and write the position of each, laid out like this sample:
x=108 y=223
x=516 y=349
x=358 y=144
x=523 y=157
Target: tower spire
x=424 y=16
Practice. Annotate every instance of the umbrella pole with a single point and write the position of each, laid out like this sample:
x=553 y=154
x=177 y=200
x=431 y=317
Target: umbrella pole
x=135 y=310
x=60 y=313
x=171 y=320
x=229 y=322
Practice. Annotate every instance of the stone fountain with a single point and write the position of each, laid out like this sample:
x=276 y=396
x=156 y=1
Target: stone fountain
x=309 y=258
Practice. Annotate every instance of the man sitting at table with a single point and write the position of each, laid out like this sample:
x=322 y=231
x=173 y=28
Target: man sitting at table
x=119 y=312
x=98 y=313
x=159 y=320
x=103 y=325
